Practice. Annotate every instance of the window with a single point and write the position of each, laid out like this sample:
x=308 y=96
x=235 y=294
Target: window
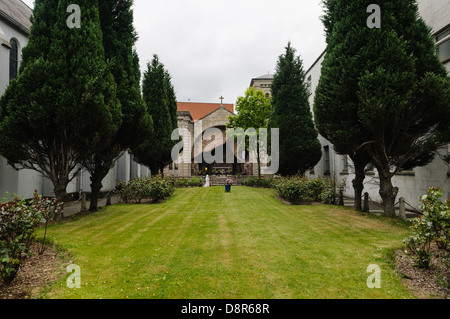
x=327 y=159
x=13 y=59
x=345 y=163
x=443 y=46
x=267 y=95
x=171 y=167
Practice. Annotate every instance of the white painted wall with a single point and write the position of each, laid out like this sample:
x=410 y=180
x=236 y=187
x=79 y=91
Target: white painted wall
x=12 y=181
x=436 y=13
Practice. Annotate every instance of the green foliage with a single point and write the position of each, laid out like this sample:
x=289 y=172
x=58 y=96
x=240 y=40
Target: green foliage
x=159 y=95
x=145 y=188
x=63 y=101
x=382 y=91
x=18 y=220
x=295 y=189
x=253 y=111
x=432 y=227
x=301 y=190
x=300 y=148
x=134 y=124
x=262 y=182
x=181 y=182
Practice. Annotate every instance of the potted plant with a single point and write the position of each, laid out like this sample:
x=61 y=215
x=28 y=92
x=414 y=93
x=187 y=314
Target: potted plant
x=228 y=184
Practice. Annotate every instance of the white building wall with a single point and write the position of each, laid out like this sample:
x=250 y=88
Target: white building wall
x=436 y=13
x=14 y=182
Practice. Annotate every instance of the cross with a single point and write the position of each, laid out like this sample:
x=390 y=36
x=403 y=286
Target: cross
x=221 y=99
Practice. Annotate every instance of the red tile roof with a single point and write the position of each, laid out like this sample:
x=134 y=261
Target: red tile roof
x=200 y=110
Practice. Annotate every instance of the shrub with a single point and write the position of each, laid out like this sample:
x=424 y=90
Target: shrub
x=158 y=189
x=259 y=182
x=145 y=188
x=432 y=227
x=181 y=182
x=295 y=189
x=317 y=187
x=18 y=220
x=328 y=194
x=301 y=190
x=124 y=190
x=195 y=182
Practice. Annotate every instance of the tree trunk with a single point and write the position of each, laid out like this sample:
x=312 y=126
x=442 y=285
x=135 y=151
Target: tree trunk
x=60 y=190
x=358 y=184
x=388 y=193
x=96 y=186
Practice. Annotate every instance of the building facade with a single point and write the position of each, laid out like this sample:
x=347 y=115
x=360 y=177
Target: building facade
x=204 y=126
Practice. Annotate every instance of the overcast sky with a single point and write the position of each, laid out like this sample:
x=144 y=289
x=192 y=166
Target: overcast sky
x=215 y=47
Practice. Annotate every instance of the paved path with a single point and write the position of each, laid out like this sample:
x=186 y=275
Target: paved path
x=375 y=208
x=73 y=208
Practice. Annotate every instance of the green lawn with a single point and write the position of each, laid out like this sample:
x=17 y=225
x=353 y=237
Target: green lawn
x=205 y=243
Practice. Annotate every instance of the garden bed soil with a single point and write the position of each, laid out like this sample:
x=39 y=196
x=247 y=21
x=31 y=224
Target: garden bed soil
x=34 y=276
x=432 y=283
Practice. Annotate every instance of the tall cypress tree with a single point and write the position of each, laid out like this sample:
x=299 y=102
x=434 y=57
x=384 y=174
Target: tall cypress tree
x=64 y=99
x=383 y=90
x=119 y=37
x=159 y=96
x=300 y=148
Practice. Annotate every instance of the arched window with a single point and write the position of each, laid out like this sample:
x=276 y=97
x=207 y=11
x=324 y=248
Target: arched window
x=13 y=59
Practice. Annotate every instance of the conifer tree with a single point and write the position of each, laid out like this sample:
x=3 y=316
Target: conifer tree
x=383 y=91
x=300 y=148
x=160 y=99
x=119 y=38
x=64 y=99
